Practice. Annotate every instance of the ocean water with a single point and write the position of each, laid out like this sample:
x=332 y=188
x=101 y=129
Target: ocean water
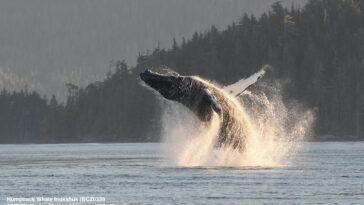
x=127 y=173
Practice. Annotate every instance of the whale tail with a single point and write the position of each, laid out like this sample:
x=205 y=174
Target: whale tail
x=239 y=87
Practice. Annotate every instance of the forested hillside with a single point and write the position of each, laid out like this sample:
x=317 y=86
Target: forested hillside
x=318 y=49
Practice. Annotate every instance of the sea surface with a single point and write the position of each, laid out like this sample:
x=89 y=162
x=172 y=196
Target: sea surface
x=321 y=172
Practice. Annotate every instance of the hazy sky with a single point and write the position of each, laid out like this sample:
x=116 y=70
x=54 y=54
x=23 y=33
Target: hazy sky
x=46 y=43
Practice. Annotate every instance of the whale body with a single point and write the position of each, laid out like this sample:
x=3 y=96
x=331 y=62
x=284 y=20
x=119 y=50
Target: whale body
x=204 y=99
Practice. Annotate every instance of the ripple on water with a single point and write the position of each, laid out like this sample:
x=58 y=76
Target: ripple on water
x=129 y=173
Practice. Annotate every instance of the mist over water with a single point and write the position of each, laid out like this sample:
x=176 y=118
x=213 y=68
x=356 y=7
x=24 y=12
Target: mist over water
x=273 y=131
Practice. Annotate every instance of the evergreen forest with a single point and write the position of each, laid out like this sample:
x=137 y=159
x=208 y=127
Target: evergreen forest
x=318 y=50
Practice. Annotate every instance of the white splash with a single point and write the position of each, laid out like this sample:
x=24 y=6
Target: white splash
x=273 y=132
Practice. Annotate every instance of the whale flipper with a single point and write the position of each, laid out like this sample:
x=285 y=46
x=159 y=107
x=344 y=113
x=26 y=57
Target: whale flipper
x=212 y=100
x=239 y=87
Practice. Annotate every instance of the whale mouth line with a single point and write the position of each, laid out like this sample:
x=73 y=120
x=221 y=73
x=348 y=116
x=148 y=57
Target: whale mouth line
x=150 y=77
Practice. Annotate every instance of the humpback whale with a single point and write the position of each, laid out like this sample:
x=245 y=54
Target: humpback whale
x=205 y=99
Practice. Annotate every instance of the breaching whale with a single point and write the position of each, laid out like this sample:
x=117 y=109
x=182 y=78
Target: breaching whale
x=204 y=99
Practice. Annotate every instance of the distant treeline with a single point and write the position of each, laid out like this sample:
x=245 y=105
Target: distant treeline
x=319 y=49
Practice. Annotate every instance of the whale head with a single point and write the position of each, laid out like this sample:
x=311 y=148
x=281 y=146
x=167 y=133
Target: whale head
x=186 y=90
x=170 y=87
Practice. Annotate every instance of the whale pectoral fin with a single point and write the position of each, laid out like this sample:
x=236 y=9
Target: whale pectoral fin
x=213 y=102
x=239 y=87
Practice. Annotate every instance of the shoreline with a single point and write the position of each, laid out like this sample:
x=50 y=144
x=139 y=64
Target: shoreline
x=321 y=139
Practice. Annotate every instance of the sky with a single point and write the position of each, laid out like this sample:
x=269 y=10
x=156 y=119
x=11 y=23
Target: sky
x=47 y=43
